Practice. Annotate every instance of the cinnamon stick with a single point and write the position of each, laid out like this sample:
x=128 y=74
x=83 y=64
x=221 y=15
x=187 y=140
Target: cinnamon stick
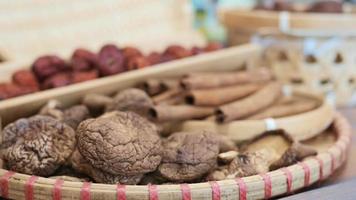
x=164 y=113
x=152 y=86
x=169 y=94
x=249 y=105
x=282 y=110
x=219 y=96
x=213 y=80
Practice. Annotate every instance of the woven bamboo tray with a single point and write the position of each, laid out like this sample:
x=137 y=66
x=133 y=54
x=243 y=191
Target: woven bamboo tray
x=314 y=51
x=271 y=184
x=301 y=126
x=226 y=59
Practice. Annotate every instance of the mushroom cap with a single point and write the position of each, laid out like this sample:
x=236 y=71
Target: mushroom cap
x=188 y=156
x=120 y=143
x=37 y=145
x=80 y=164
x=132 y=99
x=75 y=114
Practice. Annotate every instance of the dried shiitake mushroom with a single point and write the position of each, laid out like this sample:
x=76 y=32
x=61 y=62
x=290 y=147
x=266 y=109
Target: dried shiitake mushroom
x=120 y=143
x=80 y=164
x=188 y=156
x=37 y=145
x=72 y=116
x=132 y=99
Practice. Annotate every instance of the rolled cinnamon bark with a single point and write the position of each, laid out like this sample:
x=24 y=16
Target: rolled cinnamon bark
x=213 y=80
x=282 y=110
x=169 y=94
x=163 y=113
x=152 y=86
x=219 y=96
x=249 y=105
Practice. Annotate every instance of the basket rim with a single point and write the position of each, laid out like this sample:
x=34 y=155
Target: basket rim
x=292 y=23
x=334 y=157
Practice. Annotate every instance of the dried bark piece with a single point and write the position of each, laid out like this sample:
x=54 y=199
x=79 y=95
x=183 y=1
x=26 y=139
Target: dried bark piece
x=37 y=145
x=163 y=113
x=207 y=80
x=120 y=143
x=283 y=110
x=219 y=96
x=132 y=99
x=249 y=105
x=188 y=156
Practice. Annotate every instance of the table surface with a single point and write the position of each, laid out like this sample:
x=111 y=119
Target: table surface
x=342 y=185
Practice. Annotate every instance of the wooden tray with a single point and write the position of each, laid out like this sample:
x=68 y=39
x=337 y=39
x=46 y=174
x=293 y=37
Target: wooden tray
x=271 y=184
x=225 y=59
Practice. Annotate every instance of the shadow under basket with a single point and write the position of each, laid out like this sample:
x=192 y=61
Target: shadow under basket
x=271 y=184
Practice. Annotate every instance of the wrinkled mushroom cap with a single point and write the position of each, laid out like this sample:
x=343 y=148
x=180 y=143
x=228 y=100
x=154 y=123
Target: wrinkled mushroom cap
x=120 y=143
x=80 y=164
x=188 y=156
x=75 y=114
x=132 y=99
x=37 y=145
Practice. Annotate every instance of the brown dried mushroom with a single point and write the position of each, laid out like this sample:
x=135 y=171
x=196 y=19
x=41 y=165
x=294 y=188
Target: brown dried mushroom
x=133 y=99
x=120 y=143
x=188 y=156
x=71 y=116
x=37 y=145
x=80 y=164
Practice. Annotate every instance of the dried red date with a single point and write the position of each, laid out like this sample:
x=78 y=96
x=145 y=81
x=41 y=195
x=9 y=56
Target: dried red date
x=78 y=77
x=111 y=60
x=131 y=52
x=25 y=78
x=83 y=60
x=47 y=66
x=137 y=62
x=154 y=58
x=58 y=80
x=9 y=90
x=213 y=46
x=177 y=52
x=196 y=50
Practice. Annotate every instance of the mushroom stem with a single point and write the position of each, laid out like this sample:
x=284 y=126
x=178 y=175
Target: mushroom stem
x=249 y=105
x=164 y=113
x=219 y=96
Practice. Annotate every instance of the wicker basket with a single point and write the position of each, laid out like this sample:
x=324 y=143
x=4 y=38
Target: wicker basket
x=271 y=184
x=313 y=51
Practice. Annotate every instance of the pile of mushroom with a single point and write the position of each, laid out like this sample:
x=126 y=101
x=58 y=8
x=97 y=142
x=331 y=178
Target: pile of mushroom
x=115 y=140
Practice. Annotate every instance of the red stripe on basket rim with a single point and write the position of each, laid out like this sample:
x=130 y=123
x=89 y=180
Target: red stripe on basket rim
x=85 y=191
x=306 y=170
x=153 y=192
x=321 y=168
x=57 y=189
x=4 y=183
x=242 y=189
x=289 y=177
x=121 y=192
x=186 y=194
x=215 y=189
x=268 y=185
x=332 y=164
x=29 y=187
